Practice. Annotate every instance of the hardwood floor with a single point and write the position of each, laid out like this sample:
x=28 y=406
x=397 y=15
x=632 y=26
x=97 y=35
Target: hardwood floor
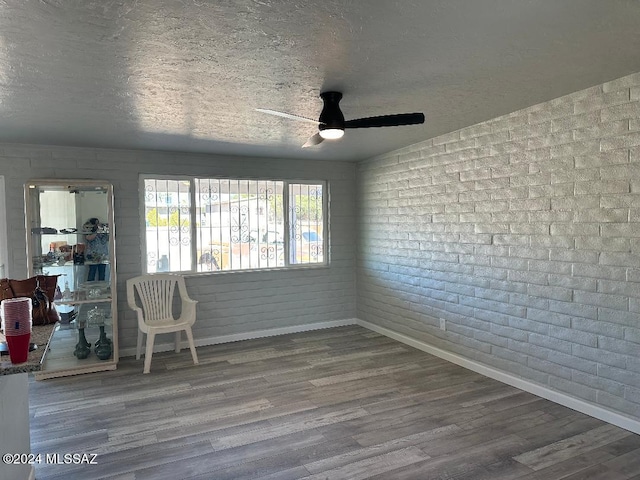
x=342 y=403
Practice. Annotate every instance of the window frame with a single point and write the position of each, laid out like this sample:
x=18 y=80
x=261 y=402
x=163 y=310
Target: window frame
x=288 y=265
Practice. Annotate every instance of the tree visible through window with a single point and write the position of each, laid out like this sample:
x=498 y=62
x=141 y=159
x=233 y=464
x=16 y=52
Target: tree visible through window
x=204 y=225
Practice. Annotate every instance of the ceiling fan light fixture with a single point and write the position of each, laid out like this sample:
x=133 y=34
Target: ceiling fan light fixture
x=331 y=119
x=331 y=124
x=331 y=133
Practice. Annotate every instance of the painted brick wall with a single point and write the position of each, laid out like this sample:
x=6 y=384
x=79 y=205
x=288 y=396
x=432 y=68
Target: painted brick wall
x=523 y=232
x=229 y=303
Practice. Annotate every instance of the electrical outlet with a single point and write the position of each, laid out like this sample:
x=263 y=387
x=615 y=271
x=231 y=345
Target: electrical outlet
x=443 y=324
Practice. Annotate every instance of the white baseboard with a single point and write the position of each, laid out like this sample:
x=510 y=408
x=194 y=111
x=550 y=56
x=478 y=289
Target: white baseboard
x=591 y=409
x=270 y=332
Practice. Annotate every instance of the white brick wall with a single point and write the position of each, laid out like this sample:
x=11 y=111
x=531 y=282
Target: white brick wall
x=230 y=303
x=523 y=232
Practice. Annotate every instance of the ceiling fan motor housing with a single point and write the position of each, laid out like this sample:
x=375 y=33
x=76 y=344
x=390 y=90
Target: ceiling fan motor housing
x=331 y=118
x=331 y=124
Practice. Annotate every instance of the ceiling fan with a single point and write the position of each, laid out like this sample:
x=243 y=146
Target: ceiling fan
x=331 y=124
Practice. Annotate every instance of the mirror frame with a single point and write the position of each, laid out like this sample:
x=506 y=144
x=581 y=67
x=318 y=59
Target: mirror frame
x=67 y=185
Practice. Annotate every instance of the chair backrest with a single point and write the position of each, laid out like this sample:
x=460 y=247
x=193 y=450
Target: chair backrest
x=156 y=295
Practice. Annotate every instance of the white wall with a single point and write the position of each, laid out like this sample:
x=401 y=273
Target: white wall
x=229 y=303
x=4 y=248
x=523 y=233
x=14 y=418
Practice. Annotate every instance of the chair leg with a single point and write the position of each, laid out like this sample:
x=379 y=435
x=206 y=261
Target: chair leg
x=192 y=345
x=178 y=341
x=139 y=347
x=148 y=352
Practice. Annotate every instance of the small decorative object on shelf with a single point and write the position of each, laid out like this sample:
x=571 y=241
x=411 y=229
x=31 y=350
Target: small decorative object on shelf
x=83 y=348
x=94 y=293
x=66 y=293
x=95 y=316
x=78 y=258
x=103 y=345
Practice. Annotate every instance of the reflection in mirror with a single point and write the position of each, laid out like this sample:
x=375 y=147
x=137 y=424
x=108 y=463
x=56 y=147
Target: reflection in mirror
x=69 y=225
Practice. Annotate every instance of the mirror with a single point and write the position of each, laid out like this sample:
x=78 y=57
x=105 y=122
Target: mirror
x=69 y=224
x=70 y=236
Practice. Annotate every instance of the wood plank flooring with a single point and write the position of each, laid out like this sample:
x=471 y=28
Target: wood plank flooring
x=342 y=403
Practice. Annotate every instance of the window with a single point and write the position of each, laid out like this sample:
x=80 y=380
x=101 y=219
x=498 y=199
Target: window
x=218 y=224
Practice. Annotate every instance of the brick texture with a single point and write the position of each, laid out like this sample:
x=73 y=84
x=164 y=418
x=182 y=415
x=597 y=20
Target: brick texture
x=530 y=254
x=229 y=303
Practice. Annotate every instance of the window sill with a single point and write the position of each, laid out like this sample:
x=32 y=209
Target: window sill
x=255 y=270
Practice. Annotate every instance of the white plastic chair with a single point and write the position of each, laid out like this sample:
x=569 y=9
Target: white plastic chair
x=155 y=313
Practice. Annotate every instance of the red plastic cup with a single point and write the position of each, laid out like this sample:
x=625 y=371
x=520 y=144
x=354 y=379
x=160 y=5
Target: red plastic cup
x=18 y=347
x=16 y=316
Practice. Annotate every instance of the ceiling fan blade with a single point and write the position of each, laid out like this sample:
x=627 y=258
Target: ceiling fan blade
x=287 y=115
x=313 y=141
x=386 y=121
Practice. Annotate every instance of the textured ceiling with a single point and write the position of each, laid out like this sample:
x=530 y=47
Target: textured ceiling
x=187 y=75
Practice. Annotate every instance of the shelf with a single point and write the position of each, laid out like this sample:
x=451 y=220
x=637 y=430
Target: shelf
x=60 y=361
x=84 y=301
x=67 y=233
x=67 y=204
x=74 y=325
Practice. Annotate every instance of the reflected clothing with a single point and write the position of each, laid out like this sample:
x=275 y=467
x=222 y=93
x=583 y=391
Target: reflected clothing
x=100 y=269
x=97 y=250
